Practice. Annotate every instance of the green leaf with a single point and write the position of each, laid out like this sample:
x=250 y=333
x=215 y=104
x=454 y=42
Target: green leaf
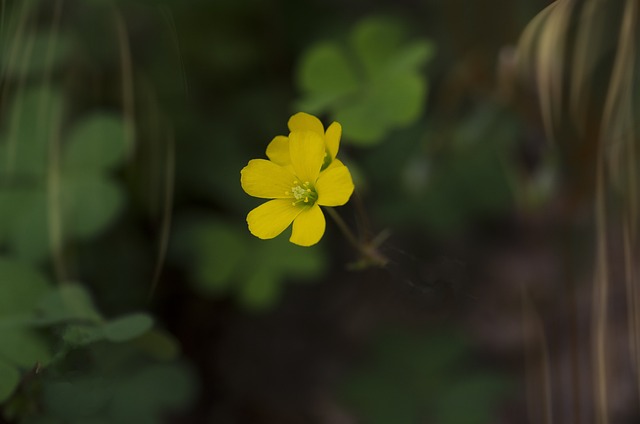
x=387 y=103
x=21 y=287
x=127 y=327
x=218 y=253
x=376 y=41
x=11 y=200
x=159 y=344
x=220 y=250
x=87 y=204
x=286 y=260
x=28 y=229
x=478 y=393
x=400 y=100
x=23 y=347
x=133 y=392
x=152 y=391
x=260 y=291
x=32 y=127
x=66 y=303
x=384 y=89
x=90 y=204
x=98 y=143
x=76 y=335
x=325 y=68
x=412 y=57
x=276 y=262
x=83 y=202
x=9 y=380
x=370 y=397
x=326 y=75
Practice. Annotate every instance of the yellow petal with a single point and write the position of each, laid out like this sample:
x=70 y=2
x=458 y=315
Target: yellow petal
x=307 y=154
x=278 y=150
x=334 y=186
x=264 y=179
x=271 y=218
x=335 y=163
x=304 y=122
x=332 y=138
x=308 y=227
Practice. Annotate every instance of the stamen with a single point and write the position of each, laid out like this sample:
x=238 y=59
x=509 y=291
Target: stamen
x=302 y=193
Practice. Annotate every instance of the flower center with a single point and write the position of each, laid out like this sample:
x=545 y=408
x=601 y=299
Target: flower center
x=303 y=193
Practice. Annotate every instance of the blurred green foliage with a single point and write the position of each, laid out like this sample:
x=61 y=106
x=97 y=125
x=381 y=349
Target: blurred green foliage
x=64 y=183
x=410 y=378
x=34 y=53
x=59 y=160
x=372 y=84
x=40 y=323
x=126 y=392
x=445 y=180
x=95 y=180
x=225 y=258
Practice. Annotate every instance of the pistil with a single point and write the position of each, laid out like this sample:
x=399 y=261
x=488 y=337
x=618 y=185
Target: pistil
x=303 y=193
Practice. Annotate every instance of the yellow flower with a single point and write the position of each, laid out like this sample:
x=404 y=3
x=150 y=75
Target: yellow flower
x=297 y=189
x=278 y=149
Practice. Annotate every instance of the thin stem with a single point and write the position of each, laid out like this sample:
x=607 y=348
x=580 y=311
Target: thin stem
x=368 y=250
x=344 y=228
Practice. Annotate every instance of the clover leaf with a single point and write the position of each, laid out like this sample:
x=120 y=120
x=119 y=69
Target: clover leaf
x=24 y=347
x=225 y=260
x=372 y=84
x=51 y=184
x=21 y=287
x=118 y=393
x=40 y=321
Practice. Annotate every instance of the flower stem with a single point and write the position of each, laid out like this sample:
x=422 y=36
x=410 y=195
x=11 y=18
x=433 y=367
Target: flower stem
x=368 y=250
x=344 y=228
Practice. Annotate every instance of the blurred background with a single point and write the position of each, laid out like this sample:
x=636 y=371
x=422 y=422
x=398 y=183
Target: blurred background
x=131 y=290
